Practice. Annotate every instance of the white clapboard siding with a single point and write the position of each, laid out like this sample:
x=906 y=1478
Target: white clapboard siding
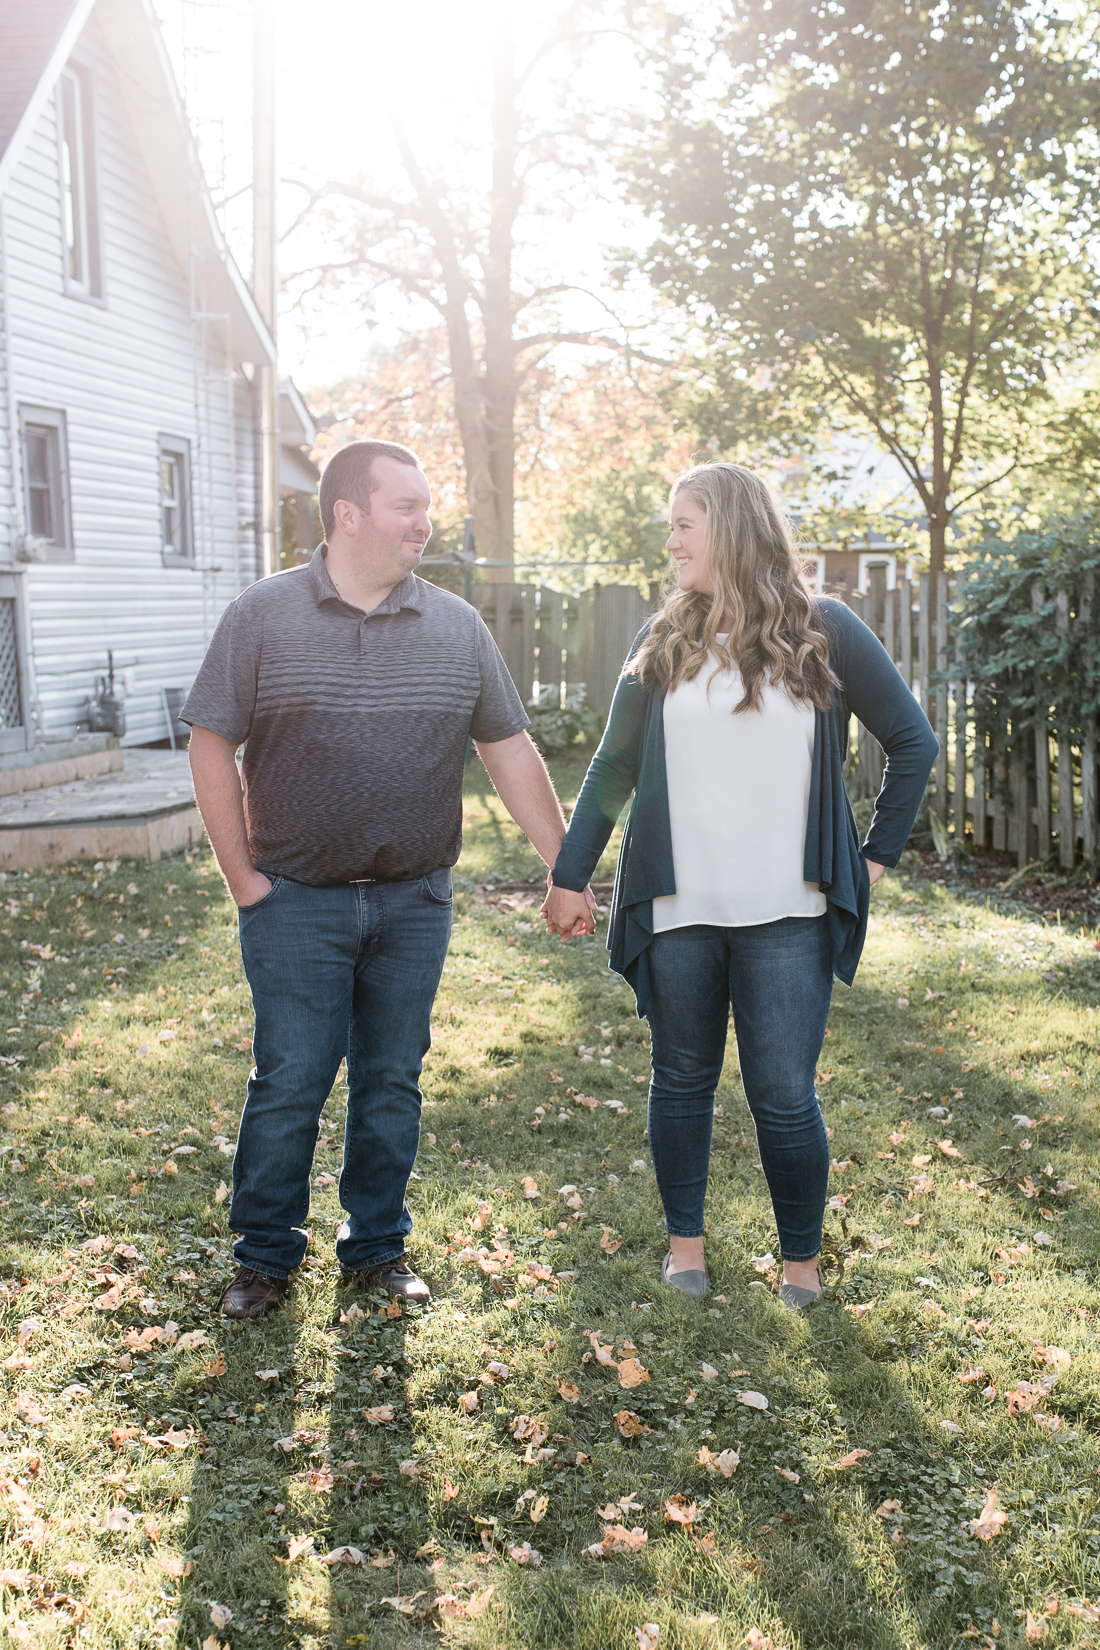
x=125 y=372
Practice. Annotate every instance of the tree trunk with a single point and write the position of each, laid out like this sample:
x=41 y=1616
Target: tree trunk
x=499 y=384
x=937 y=538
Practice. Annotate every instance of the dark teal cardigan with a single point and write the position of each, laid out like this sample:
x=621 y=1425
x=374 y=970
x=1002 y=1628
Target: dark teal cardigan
x=631 y=758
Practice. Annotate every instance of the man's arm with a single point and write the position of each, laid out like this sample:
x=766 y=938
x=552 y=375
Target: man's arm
x=523 y=785
x=221 y=804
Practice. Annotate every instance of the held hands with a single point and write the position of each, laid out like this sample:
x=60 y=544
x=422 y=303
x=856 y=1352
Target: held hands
x=568 y=914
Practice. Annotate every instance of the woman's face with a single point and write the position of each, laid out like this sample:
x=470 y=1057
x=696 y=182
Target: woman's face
x=687 y=543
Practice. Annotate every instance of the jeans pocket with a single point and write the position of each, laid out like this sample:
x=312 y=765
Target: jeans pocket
x=437 y=885
x=276 y=884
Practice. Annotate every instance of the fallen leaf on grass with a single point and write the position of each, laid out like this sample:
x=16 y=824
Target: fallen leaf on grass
x=1025 y=1397
x=629 y=1424
x=648 y=1634
x=381 y=1560
x=708 y=1372
x=193 y=1339
x=862 y=1311
x=752 y=1400
x=757 y=1639
x=343 y=1555
x=791 y=1477
x=571 y=1394
x=296 y=1546
x=18 y=1360
x=851 y=1458
x=354 y=1314
x=222 y=1192
x=631 y=1373
x=263 y=1374
x=725 y=1462
x=974 y=1373
x=26 y=1405
x=604 y=1354
x=173 y=1566
x=172 y=1439
x=449 y=1491
x=380 y=1415
x=537 y=1511
x=887 y=1509
x=679 y=1510
x=117 y=1518
x=220 y=1614
x=1035 y=1627
x=468 y=1401
x=609 y=1244
x=530 y=1188
x=218 y=1365
x=526 y=1430
x=990 y=1520
x=19 y=1581
x=409 y=1469
x=618 y=1539
x=525 y=1554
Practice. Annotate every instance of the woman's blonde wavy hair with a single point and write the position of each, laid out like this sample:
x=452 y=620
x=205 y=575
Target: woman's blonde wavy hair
x=776 y=635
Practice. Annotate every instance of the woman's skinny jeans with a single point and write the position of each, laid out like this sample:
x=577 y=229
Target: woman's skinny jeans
x=778 y=978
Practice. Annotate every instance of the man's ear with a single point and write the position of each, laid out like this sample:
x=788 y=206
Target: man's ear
x=347 y=516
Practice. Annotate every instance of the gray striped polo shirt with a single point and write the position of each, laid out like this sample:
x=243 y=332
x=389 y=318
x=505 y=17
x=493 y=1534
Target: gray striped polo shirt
x=354 y=724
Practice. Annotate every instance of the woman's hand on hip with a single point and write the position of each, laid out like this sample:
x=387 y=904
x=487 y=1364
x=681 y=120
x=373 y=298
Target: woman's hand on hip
x=874 y=870
x=569 y=914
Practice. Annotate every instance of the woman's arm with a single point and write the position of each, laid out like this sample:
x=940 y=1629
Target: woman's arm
x=874 y=690
x=611 y=777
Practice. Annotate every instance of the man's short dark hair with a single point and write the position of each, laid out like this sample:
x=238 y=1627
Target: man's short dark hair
x=347 y=475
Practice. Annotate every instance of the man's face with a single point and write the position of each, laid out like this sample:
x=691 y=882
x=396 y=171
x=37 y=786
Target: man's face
x=392 y=536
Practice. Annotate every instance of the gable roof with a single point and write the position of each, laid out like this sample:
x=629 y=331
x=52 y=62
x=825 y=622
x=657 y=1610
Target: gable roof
x=36 y=41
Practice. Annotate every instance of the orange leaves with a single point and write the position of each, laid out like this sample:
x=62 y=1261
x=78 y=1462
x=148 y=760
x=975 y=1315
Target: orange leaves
x=851 y=1458
x=990 y=1520
x=679 y=1510
x=604 y=1354
x=974 y=1373
x=920 y=1186
x=32 y=1529
x=381 y=1415
x=629 y=1424
x=526 y=1430
x=531 y=1188
x=217 y=1366
x=571 y=1394
x=631 y=1373
x=618 y=1539
x=468 y=1402
x=609 y=1244
x=1025 y=1397
x=449 y=1491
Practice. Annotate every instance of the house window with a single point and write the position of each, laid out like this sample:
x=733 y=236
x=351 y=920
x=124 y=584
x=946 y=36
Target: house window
x=79 y=206
x=176 y=537
x=46 y=480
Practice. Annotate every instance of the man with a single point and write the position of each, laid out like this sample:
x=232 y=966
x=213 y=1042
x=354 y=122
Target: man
x=354 y=687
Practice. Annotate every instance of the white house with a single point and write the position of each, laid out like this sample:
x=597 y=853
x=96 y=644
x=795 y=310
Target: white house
x=129 y=347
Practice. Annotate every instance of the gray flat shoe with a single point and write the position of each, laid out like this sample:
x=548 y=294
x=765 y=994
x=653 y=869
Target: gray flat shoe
x=693 y=1284
x=797 y=1299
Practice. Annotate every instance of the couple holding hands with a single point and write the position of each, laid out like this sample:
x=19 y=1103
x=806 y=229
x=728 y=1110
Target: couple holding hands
x=741 y=883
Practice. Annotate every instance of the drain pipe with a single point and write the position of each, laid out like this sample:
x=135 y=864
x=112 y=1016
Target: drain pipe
x=29 y=681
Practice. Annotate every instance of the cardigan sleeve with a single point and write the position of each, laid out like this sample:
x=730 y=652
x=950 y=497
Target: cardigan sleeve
x=874 y=690
x=608 y=785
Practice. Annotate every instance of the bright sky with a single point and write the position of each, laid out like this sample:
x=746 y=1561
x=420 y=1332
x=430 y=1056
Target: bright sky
x=345 y=69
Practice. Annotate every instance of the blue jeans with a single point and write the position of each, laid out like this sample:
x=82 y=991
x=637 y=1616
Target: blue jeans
x=778 y=977
x=351 y=972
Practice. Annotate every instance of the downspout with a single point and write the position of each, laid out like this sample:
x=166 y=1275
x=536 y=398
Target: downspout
x=18 y=520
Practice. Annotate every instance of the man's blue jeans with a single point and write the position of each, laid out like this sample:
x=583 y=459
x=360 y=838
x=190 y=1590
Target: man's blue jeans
x=351 y=972
x=778 y=977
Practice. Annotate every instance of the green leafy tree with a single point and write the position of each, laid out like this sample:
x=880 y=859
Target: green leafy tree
x=884 y=213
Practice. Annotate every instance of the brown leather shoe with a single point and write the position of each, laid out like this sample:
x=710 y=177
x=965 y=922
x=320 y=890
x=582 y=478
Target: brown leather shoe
x=250 y=1294
x=396 y=1279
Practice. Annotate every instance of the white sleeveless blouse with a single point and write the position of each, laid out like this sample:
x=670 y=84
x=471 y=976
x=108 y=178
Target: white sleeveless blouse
x=738 y=798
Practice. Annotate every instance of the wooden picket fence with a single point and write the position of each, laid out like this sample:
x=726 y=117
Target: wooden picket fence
x=977 y=796
x=561 y=642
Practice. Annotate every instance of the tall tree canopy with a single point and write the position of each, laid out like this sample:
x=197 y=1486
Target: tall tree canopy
x=884 y=213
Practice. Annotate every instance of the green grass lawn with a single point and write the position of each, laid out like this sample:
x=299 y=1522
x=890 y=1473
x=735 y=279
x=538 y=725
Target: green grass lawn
x=162 y=1469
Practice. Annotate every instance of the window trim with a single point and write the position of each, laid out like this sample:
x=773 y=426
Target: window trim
x=177 y=447
x=60 y=548
x=89 y=288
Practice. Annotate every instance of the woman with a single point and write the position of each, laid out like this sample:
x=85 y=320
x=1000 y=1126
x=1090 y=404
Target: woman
x=741 y=881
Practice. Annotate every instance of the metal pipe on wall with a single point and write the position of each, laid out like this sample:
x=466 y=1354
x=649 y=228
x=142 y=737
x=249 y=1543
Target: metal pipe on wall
x=265 y=267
